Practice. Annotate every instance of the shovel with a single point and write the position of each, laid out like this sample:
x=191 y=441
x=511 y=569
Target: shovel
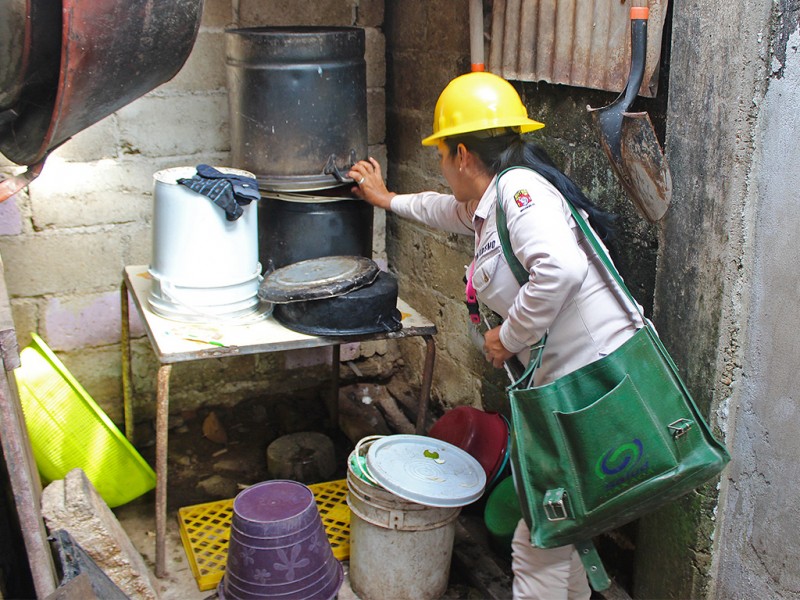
x=629 y=140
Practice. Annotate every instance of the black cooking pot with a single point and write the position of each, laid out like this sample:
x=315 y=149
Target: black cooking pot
x=370 y=309
x=334 y=296
x=293 y=227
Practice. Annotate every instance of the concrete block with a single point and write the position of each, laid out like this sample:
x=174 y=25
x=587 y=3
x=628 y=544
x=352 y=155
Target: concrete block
x=74 y=505
x=370 y=13
x=308 y=357
x=376 y=116
x=176 y=125
x=98 y=371
x=95 y=193
x=253 y=13
x=25 y=313
x=138 y=249
x=216 y=14
x=60 y=263
x=204 y=70
x=453 y=385
x=100 y=140
x=81 y=321
x=375 y=57
x=11 y=220
x=379 y=235
x=358 y=415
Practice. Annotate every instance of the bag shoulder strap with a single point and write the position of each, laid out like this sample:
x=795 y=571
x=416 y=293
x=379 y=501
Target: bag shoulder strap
x=523 y=276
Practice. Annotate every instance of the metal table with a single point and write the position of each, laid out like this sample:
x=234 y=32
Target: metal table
x=169 y=341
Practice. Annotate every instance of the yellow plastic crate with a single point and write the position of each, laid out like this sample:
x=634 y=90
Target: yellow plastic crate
x=205 y=530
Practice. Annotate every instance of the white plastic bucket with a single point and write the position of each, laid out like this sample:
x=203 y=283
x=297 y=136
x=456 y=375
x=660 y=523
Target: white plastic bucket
x=398 y=549
x=203 y=266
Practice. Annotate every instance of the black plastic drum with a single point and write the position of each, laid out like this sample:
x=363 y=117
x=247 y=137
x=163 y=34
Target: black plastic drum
x=295 y=227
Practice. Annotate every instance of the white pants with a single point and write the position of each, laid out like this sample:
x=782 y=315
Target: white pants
x=546 y=574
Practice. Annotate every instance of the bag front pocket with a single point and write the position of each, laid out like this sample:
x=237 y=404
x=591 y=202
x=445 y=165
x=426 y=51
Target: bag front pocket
x=614 y=444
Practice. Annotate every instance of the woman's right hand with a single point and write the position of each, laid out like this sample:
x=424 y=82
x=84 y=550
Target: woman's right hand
x=369 y=183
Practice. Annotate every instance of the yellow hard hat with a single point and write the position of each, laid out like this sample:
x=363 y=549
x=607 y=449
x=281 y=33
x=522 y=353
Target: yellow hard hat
x=475 y=102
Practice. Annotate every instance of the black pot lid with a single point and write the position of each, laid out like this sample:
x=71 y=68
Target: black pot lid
x=318 y=278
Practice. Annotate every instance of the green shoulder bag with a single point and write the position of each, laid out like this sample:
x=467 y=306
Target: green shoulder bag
x=609 y=442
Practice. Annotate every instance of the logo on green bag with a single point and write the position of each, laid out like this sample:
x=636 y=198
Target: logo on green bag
x=624 y=463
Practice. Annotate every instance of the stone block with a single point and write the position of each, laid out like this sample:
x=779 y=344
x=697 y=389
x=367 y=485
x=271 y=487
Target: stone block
x=72 y=504
x=70 y=323
x=98 y=141
x=176 y=125
x=204 y=69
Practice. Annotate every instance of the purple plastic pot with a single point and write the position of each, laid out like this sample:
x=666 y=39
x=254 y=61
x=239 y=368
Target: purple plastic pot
x=278 y=546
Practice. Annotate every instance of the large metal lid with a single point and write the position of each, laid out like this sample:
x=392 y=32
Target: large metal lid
x=426 y=470
x=318 y=278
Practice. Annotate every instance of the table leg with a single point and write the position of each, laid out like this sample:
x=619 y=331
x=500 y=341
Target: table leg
x=125 y=346
x=333 y=394
x=425 y=389
x=162 y=422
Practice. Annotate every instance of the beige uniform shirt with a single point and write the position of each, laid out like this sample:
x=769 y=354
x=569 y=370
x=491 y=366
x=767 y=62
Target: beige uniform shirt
x=569 y=294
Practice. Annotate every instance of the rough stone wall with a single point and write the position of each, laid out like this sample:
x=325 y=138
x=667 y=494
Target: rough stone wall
x=428 y=42
x=65 y=240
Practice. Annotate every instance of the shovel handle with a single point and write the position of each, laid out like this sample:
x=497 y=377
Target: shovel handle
x=639 y=16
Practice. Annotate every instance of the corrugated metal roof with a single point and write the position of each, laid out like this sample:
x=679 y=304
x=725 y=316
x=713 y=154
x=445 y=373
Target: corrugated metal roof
x=585 y=43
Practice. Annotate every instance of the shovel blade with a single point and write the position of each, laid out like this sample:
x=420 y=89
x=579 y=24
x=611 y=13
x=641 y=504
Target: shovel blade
x=639 y=163
x=648 y=175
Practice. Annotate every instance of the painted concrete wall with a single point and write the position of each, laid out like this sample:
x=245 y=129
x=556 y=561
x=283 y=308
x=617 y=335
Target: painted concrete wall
x=726 y=299
x=759 y=548
x=65 y=240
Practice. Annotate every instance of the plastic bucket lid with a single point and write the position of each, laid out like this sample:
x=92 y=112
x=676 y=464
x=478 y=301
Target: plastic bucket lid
x=425 y=470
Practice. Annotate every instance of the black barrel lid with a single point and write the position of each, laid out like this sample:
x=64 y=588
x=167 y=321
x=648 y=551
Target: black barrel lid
x=318 y=278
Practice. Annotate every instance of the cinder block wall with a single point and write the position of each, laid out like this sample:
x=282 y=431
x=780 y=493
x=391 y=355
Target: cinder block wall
x=65 y=240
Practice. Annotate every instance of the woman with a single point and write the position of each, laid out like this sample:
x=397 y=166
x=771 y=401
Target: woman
x=478 y=122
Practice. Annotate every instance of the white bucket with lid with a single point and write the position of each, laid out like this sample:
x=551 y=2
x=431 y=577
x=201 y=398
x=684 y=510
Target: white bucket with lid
x=399 y=548
x=203 y=266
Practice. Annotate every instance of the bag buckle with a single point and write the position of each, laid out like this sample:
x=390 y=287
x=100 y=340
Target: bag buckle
x=555 y=505
x=680 y=427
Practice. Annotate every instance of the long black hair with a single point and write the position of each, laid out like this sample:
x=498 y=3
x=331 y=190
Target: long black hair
x=509 y=149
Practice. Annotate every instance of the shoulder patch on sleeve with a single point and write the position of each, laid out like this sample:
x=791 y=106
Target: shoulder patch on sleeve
x=522 y=198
